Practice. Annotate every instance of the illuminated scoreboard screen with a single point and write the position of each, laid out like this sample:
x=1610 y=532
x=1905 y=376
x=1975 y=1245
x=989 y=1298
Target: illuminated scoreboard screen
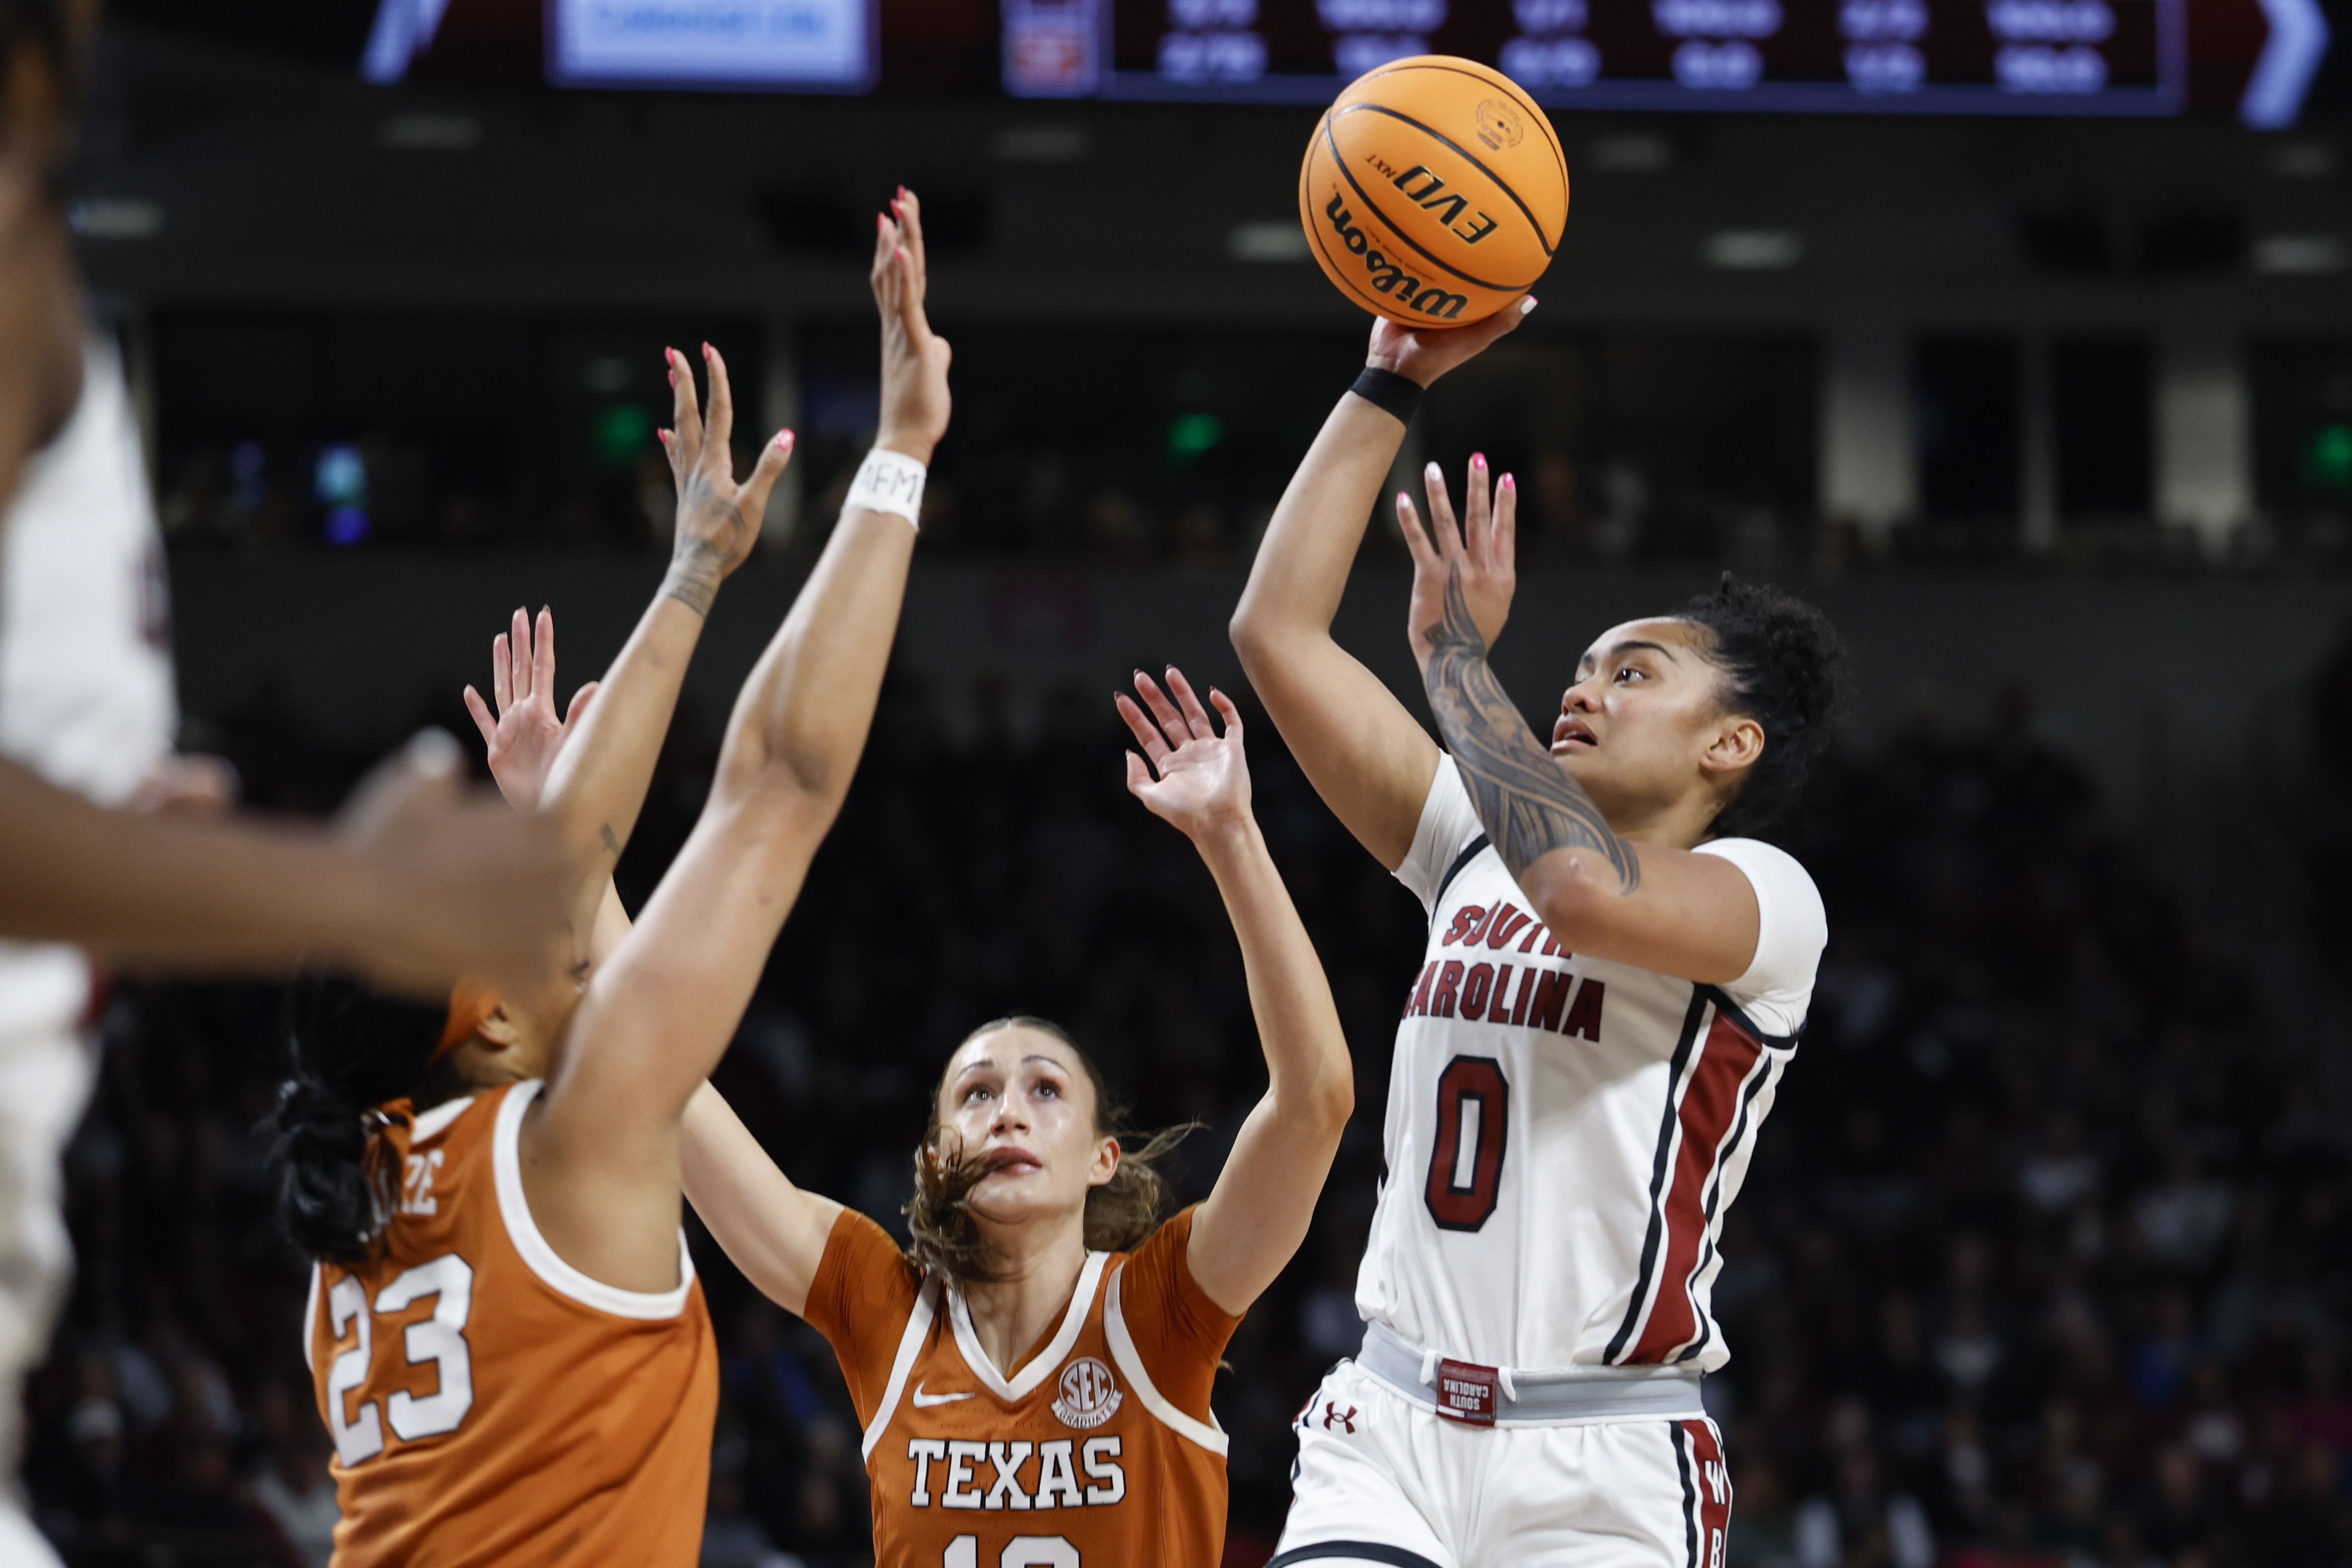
x=1938 y=57
x=2110 y=56
x=1933 y=57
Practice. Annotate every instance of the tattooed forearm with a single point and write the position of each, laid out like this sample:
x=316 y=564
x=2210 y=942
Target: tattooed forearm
x=694 y=576
x=1528 y=802
x=612 y=839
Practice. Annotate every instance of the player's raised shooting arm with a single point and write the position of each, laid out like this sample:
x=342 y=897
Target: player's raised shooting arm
x=1259 y=1211
x=1657 y=906
x=1366 y=754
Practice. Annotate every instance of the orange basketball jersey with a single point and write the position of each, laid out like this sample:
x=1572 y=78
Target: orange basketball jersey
x=490 y=1403
x=1100 y=1450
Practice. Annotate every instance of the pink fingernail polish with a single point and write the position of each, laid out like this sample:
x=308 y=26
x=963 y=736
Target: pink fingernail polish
x=1478 y=460
x=706 y=350
x=1509 y=483
x=784 y=439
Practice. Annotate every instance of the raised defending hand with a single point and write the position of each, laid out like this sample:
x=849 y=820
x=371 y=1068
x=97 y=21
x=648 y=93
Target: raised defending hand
x=915 y=401
x=1424 y=353
x=526 y=734
x=718 y=519
x=1202 y=783
x=455 y=884
x=1480 y=557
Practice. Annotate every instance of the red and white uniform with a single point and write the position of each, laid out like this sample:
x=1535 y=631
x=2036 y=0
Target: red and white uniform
x=1564 y=1136
x=85 y=701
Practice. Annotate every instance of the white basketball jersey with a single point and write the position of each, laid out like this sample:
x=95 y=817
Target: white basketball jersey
x=86 y=696
x=1564 y=1133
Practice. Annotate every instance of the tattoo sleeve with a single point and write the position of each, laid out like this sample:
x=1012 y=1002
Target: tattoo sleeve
x=1526 y=802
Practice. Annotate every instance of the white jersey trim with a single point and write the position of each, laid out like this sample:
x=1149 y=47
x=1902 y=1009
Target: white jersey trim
x=1022 y=1384
x=514 y=1208
x=1207 y=1433
x=434 y=1122
x=911 y=1345
x=310 y=1323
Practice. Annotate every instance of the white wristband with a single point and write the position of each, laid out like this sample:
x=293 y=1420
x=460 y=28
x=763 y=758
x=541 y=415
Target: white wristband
x=889 y=482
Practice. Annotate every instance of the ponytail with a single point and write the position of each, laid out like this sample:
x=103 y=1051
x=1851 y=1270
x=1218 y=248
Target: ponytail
x=350 y=1050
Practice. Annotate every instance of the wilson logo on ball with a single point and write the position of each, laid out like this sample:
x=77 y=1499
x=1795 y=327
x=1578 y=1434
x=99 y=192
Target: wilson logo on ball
x=1386 y=275
x=1433 y=191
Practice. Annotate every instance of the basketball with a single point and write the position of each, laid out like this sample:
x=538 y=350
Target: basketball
x=1433 y=191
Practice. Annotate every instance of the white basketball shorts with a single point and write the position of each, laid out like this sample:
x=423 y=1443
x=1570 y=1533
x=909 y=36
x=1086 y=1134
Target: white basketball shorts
x=1381 y=1479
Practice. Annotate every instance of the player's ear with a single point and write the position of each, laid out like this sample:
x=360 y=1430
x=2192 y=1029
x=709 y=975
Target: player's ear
x=1734 y=747
x=1106 y=1165
x=501 y=1028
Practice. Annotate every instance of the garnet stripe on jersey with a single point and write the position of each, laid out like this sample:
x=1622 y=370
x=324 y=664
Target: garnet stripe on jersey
x=1756 y=1079
x=1709 y=1104
x=1691 y=1020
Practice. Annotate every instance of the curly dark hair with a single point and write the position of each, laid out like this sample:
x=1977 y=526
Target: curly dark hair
x=1120 y=1214
x=350 y=1051
x=1784 y=666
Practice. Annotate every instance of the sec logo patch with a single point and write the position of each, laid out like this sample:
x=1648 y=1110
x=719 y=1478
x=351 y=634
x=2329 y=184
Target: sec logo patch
x=1090 y=1396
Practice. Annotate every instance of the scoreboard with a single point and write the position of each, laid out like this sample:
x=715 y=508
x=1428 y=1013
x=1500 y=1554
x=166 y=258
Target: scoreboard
x=1938 y=57
x=1885 y=57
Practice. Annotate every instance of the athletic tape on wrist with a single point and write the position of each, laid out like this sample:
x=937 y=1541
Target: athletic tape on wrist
x=889 y=482
x=1388 y=392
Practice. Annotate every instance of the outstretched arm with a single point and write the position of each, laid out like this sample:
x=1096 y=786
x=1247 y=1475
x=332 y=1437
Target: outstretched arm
x=1655 y=906
x=1258 y=1213
x=416 y=884
x=661 y=1011
x=597 y=776
x=1368 y=756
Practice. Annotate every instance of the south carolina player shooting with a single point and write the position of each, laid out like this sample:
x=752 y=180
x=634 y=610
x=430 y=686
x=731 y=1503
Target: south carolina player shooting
x=1034 y=1379
x=1614 y=979
x=507 y=1338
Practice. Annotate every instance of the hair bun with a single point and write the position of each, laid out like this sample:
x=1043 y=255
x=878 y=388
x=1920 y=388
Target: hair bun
x=1785 y=666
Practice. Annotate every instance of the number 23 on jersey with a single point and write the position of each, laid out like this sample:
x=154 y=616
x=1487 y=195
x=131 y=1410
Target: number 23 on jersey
x=436 y=1341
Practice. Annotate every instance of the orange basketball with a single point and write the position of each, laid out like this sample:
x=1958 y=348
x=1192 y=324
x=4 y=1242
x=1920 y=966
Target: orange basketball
x=1434 y=191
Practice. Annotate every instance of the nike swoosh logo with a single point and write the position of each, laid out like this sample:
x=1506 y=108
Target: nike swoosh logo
x=925 y=1401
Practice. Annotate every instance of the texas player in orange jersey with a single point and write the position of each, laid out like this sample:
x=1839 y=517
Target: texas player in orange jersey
x=1034 y=1380
x=508 y=1342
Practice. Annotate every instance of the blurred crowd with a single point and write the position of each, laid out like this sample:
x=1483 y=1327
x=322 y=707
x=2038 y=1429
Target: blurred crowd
x=2041 y=1263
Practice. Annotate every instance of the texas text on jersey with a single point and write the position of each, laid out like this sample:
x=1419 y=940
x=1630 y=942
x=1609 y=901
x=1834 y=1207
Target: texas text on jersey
x=1100 y=1450
x=1564 y=1135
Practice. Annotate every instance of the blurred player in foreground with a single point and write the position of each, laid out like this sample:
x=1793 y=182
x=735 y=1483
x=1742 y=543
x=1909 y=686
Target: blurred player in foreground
x=1034 y=1375
x=508 y=1342
x=1615 y=980
x=411 y=886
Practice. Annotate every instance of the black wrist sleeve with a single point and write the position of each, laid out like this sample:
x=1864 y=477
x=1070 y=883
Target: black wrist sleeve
x=1388 y=392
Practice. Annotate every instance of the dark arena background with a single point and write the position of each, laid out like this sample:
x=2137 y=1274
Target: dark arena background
x=2016 y=334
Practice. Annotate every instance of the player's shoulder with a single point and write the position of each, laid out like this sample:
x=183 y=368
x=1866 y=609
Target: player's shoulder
x=863 y=1280
x=1792 y=930
x=1765 y=863
x=1446 y=835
